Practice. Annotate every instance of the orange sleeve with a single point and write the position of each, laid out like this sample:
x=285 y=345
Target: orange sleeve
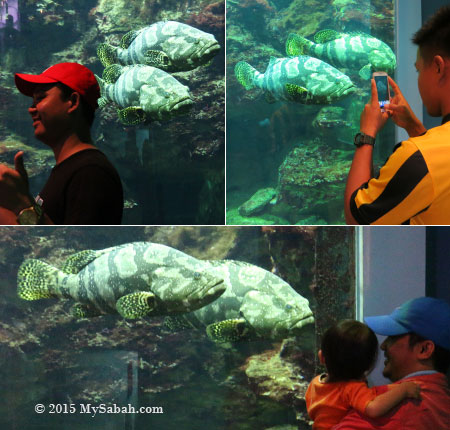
x=358 y=395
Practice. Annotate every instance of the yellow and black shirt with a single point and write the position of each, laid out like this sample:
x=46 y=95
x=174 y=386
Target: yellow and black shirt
x=413 y=186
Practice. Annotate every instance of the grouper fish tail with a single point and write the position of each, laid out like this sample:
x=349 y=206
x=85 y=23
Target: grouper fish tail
x=297 y=45
x=37 y=280
x=107 y=54
x=245 y=74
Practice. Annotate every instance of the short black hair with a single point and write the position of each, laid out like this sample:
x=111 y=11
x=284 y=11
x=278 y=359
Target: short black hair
x=440 y=357
x=88 y=112
x=350 y=349
x=433 y=38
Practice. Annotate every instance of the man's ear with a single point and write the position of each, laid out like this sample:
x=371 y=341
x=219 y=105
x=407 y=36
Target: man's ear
x=425 y=349
x=75 y=100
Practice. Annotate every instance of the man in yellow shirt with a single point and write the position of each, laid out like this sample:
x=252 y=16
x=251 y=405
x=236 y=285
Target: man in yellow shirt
x=413 y=186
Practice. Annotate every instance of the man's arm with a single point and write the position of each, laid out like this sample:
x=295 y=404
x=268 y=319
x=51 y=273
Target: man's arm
x=386 y=401
x=371 y=122
x=14 y=192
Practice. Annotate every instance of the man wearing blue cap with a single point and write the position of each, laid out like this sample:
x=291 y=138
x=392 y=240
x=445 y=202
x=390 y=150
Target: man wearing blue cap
x=417 y=348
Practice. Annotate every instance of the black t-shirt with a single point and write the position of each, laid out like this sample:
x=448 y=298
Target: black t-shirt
x=83 y=189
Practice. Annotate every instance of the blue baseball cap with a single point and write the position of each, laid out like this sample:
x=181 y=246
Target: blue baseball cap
x=424 y=316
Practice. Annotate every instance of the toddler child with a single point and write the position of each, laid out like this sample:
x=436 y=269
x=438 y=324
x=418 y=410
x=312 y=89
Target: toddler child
x=349 y=351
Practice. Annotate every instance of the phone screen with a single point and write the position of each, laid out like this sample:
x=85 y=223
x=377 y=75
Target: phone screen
x=382 y=88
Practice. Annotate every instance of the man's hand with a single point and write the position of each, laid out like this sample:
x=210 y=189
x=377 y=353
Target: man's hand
x=14 y=192
x=372 y=118
x=402 y=114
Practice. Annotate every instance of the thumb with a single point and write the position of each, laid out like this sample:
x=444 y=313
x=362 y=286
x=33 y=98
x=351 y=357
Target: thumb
x=19 y=166
x=374 y=98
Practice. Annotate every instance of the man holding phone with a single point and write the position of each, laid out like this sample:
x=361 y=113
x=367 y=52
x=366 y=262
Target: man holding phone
x=413 y=186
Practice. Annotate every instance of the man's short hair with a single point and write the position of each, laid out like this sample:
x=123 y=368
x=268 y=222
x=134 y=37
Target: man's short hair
x=350 y=349
x=434 y=36
x=440 y=357
x=86 y=109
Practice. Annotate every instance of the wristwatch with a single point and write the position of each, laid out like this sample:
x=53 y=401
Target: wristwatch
x=30 y=216
x=363 y=139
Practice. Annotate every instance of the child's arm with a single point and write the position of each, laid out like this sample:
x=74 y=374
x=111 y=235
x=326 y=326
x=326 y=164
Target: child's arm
x=386 y=401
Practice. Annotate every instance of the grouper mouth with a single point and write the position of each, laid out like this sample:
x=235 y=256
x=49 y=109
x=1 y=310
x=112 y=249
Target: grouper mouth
x=209 y=51
x=302 y=322
x=345 y=90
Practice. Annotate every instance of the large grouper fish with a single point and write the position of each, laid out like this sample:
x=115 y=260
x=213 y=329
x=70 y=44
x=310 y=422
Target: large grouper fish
x=143 y=93
x=256 y=305
x=135 y=280
x=167 y=45
x=358 y=51
x=302 y=79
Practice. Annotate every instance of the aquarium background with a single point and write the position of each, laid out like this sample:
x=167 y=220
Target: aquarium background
x=172 y=171
x=47 y=357
x=287 y=163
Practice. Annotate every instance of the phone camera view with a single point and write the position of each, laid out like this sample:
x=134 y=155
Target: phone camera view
x=382 y=89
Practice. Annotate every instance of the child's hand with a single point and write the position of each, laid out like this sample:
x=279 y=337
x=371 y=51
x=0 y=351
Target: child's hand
x=411 y=389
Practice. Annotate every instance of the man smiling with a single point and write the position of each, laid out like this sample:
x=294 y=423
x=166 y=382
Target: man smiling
x=83 y=188
x=417 y=348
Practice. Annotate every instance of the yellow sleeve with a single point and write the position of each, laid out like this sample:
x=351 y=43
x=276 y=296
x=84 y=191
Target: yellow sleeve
x=402 y=189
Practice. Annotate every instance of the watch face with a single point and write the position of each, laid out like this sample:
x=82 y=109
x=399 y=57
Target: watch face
x=28 y=217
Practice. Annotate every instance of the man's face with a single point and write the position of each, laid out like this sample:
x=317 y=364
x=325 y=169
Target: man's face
x=48 y=112
x=427 y=84
x=400 y=359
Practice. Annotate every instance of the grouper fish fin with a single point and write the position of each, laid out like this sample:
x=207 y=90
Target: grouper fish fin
x=132 y=115
x=36 y=280
x=102 y=101
x=231 y=330
x=244 y=73
x=127 y=38
x=81 y=310
x=158 y=59
x=297 y=93
x=327 y=35
x=366 y=72
x=112 y=73
x=107 y=54
x=76 y=262
x=136 y=305
x=297 y=45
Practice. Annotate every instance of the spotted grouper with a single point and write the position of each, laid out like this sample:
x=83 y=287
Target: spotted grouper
x=301 y=79
x=135 y=280
x=358 y=51
x=167 y=45
x=143 y=93
x=256 y=305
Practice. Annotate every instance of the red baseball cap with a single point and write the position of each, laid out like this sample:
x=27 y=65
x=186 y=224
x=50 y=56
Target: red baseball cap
x=74 y=75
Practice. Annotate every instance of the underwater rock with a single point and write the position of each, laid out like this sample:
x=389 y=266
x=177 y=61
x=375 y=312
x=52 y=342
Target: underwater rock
x=312 y=180
x=257 y=202
x=275 y=376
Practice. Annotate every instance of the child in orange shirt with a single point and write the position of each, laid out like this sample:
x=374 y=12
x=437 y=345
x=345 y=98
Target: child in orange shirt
x=349 y=351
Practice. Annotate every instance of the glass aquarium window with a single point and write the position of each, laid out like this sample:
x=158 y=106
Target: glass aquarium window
x=172 y=164
x=193 y=357
x=290 y=144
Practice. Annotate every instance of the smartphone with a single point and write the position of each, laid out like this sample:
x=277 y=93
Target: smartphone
x=381 y=80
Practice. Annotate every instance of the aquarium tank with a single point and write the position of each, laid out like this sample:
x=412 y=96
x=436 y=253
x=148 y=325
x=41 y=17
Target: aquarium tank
x=172 y=169
x=187 y=361
x=297 y=80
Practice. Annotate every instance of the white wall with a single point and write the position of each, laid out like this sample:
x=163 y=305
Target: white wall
x=392 y=272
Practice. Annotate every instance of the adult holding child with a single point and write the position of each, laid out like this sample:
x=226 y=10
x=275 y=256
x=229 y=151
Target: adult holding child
x=417 y=349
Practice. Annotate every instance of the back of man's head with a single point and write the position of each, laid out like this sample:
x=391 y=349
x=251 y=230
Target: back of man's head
x=434 y=36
